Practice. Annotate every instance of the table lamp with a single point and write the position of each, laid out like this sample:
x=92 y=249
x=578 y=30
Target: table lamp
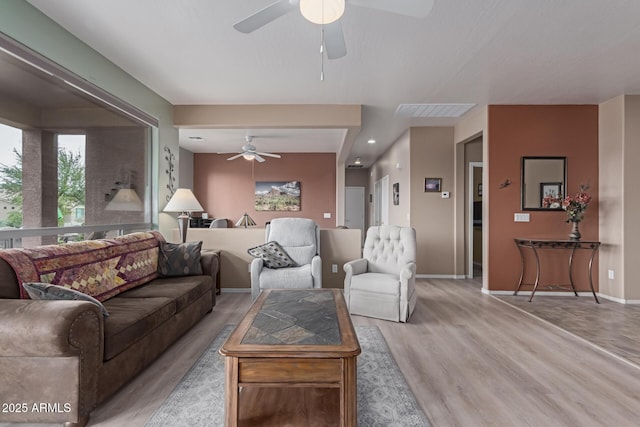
x=245 y=221
x=183 y=201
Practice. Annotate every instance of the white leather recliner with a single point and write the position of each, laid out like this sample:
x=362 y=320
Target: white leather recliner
x=300 y=238
x=382 y=283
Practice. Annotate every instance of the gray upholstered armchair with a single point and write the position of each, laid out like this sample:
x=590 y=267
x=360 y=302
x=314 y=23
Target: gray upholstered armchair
x=382 y=283
x=300 y=238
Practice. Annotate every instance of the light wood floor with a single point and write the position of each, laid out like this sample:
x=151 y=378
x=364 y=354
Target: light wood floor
x=470 y=359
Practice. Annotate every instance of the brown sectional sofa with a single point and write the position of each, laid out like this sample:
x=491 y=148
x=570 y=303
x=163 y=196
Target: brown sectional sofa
x=59 y=359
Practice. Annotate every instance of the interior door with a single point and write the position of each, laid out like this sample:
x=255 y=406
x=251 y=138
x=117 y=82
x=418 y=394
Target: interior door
x=354 y=208
x=381 y=201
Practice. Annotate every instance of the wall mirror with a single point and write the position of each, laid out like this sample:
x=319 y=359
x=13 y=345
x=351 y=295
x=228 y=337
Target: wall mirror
x=543 y=183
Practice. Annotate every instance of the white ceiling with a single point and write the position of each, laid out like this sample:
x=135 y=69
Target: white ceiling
x=465 y=51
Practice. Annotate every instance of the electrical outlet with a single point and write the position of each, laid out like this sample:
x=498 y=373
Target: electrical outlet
x=334 y=268
x=445 y=195
x=611 y=274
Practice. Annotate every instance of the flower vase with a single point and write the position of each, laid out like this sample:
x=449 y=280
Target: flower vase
x=575 y=232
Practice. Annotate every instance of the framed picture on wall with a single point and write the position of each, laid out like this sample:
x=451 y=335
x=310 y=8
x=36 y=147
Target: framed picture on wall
x=396 y=193
x=278 y=196
x=432 y=185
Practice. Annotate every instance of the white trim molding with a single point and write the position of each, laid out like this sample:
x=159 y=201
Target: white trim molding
x=619 y=300
x=564 y=294
x=441 y=276
x=235 y=290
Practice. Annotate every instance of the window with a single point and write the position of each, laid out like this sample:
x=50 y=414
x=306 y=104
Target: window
x=75 y=147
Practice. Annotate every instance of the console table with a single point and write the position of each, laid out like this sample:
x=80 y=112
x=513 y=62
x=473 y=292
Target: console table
x=536 y=245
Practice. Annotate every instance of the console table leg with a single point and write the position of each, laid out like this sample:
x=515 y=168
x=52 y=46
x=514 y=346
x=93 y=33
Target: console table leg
x=521 y=270
x=573 y=251
x=593 y=254
x=537 y=282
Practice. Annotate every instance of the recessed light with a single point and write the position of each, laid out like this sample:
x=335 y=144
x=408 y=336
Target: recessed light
x=371 y=141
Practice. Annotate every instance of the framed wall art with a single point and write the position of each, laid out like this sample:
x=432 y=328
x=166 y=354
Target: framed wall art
x=432 y=185
x=278 y=196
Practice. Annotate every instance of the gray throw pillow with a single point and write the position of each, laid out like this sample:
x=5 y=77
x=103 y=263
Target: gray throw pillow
x=180 y=259
x=47 y=291
x=273 y=255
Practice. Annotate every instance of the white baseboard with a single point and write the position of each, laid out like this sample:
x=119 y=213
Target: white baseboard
x=441 y=276
x=235 y=290
x=619 y=300
x=541 y=293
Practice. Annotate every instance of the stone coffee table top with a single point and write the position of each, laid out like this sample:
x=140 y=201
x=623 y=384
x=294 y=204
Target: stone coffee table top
x=300 y=317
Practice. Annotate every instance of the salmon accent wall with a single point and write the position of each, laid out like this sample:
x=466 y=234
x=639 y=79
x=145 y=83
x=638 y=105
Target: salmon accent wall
x=226 y=189
x=540 y=130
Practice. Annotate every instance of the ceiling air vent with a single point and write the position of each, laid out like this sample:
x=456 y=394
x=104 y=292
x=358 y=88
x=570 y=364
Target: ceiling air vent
x=354 y=166
x=433 y=110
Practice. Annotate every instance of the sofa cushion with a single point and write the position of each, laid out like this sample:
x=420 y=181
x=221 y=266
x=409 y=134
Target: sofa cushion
x=179 y=259
x=273 y=255
x=184 y=290
x=45 y=291
x=285 y=278
x=376 y=282
x=131 y=319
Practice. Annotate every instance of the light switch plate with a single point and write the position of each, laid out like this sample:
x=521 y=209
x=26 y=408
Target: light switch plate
x=521 y=217
x=445 y=195
x=327 y=215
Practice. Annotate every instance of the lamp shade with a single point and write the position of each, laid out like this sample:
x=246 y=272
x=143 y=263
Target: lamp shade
x=126 y=199
x=245 y=221
x=322 y=11
x=183 y=200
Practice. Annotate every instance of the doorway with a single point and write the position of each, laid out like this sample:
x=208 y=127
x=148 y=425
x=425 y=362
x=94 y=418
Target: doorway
x=381 y=201
x=474 y=219
x=354 y=209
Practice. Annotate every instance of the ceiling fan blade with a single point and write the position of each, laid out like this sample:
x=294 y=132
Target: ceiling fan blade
x=235 y=157
x=258 y=158
x=334 y=40
x=413 y=8
x=277 y=156
x=266 y=15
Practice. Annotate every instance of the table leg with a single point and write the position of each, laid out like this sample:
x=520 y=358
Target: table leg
x=593 y=254
x=573 y=251
x=231 y=392
x=521 y=269
x=348 y=393
x=537 y=282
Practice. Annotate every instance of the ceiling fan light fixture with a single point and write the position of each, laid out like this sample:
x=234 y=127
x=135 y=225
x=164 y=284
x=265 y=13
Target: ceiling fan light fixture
x=249 y=156
x=322 y=11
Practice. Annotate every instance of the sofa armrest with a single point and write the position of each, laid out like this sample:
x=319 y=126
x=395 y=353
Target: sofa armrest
x=256 y=267
x=316 y=271
x=210 y=262
x=49 y=328
x=353 y=268
x=357 y=266
x=50 y=351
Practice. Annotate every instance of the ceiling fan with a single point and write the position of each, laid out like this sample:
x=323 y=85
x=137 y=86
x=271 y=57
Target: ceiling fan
x=328 y=13
x=249 y=152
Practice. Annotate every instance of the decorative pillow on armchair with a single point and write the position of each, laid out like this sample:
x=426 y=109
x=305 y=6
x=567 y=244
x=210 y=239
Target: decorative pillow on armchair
x=179 y=259
x=46 y=291
x=273 y=255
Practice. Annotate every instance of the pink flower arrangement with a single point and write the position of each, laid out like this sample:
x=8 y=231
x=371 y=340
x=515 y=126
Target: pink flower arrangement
x=576 y=205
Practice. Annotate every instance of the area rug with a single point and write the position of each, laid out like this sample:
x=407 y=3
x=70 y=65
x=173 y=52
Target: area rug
x=384 y=398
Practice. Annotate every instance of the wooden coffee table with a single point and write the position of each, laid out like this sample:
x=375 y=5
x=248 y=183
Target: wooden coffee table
x=292 y=344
